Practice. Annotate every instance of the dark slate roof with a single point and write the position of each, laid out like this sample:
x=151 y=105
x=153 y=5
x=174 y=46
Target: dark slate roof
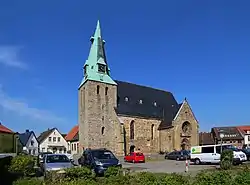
x=165 y=109
x=24 y=137
x=230 y=133
x=45 y=134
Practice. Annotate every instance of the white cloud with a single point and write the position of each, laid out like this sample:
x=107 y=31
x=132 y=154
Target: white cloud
x=23 y=109
x=9 y=56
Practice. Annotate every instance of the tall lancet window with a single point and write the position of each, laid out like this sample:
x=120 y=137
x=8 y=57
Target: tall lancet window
x=132 y=130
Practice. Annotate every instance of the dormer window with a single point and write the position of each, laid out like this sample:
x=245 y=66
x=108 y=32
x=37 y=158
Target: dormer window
x=155 y=104
x=140 y=101
x=101 y=68
x=126 y=98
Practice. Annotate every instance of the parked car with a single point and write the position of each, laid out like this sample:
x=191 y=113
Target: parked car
x=247 y=152
x=178 y=155
x=98 y=160
x=54 y=162
x=212 y=154
x=135 y=157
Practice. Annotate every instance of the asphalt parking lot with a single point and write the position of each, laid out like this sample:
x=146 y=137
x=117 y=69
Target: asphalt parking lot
x=165 y=166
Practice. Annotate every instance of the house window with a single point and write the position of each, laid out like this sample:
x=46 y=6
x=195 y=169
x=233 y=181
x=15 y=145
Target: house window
x=32 y=143
x=74 y=147
x=58 y=139
x=30 y=151
x=54 y=139
x=77 y=147
x=49 y=139
x=34 y=152
x=60 y=150
x=248 y=138
x=106 y=90
x=132 y=129
x=98 y=89
x=152 y=131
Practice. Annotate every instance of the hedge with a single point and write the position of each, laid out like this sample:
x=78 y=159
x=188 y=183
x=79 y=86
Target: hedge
x=83 y=176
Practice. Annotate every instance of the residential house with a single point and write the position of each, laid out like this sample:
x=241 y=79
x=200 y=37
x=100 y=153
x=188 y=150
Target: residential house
x=52 y=141
x=206 y=138
x=9 y=142
x=245 y=130
x=73 y=140
x=230 y=135
x=29 y=142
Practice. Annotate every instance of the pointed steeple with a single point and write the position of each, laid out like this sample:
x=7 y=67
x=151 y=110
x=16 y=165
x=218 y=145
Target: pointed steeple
x=96 y=67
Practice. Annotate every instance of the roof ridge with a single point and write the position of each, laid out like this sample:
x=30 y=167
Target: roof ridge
x=147 y=86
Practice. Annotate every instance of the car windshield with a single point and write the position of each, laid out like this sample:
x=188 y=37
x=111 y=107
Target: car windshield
x=103 y=155
x=139 y=154
x=57 y=159
x=230 y=147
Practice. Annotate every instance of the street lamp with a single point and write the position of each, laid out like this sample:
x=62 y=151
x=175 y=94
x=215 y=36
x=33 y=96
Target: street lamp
x=221 y=137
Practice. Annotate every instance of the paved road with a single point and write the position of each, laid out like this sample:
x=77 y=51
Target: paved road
x=166 y=166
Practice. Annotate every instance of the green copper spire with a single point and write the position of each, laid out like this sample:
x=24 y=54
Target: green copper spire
x=96 y=67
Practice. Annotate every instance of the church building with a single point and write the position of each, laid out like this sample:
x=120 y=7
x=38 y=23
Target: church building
x=123 y=116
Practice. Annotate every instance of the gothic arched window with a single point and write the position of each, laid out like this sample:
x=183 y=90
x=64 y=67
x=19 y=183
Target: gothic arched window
x=152 y=131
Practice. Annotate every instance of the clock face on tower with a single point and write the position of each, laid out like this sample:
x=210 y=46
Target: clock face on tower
x=101 y=68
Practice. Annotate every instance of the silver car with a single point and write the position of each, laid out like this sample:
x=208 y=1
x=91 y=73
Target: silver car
x=54 y=162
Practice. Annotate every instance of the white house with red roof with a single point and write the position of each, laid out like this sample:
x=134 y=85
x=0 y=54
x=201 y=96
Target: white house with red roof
x=73 y=140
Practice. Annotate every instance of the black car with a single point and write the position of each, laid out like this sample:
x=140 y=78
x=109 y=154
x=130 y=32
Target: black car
x=178 y=155
x=99 y=160
x=247 y=152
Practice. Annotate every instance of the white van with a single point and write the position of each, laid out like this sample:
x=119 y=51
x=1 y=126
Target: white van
x=211 y=154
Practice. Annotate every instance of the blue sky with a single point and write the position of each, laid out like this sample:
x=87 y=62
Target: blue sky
x=195 y=49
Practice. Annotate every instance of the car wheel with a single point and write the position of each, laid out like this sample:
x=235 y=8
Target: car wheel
x=197 y=161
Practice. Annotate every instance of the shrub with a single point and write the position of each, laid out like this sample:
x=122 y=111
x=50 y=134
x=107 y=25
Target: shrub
x=78 y=173
x=32 y=181
x=147 y=178
x=242 y=178
x=176 y=179
x=226 y=160
x=213 y=178
x=112 y=171
x=22 y=164
x=54 y=177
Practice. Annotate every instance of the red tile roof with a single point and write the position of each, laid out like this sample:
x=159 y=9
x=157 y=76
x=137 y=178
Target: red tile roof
x=5 y=129
x=72 y=133
x=244 y=129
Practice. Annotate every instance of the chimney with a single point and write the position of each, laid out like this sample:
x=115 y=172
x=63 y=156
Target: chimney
x=27 y=130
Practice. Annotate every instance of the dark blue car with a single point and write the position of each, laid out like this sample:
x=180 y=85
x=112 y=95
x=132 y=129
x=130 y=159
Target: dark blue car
x=99 y=160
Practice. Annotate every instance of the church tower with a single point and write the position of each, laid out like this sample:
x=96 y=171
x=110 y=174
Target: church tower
x=99 y=126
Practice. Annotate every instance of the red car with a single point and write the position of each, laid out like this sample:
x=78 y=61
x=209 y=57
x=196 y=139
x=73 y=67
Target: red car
x=135 y=157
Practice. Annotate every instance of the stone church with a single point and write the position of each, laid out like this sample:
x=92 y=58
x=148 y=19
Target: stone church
x=123 y=116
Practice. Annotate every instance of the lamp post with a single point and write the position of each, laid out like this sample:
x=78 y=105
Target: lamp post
x=221 y=137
